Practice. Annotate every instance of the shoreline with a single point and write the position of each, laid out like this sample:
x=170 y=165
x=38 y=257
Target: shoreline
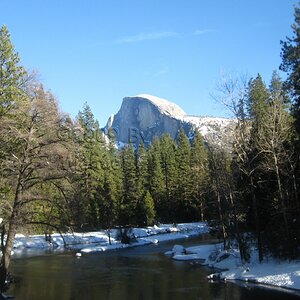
x=98 y=241
x=272 y=273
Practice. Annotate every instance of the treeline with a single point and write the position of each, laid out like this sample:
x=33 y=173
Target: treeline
x=136 y=187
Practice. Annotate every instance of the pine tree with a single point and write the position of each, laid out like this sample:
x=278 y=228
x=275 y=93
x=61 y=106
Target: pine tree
x=90 y=163
x=168 y=165
x=108 y=204
x=130 y=187
x=13 y=77
x=116 y=174
x=239 y=193
x=183 y=163
x=274 y=142
x=142 y=170
x=257 y=105
x=219 y=183
x=199 y=169
x=146 y=211
x=290 y=54
x=156 y=177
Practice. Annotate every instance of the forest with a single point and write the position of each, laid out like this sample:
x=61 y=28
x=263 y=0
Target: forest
x=59 y=174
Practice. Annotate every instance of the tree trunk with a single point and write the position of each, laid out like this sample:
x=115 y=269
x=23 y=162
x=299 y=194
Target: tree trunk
x=224 y=234
x=6 y=251
x=257 y=226
x=109 y=235
x=243 y=248
x=282 y=204
x=12 y=230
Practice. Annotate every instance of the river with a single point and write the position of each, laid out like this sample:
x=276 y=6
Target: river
x=142 y=273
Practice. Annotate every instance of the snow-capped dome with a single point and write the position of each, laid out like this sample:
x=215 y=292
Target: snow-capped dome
x=165 y=106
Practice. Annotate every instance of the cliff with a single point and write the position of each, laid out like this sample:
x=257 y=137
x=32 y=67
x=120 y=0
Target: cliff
x=143 y=116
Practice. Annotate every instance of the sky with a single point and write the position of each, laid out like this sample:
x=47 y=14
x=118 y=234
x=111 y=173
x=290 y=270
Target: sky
x=99 y=52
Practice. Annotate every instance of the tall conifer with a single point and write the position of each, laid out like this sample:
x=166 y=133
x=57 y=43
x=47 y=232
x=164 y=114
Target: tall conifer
x=199 y=169
x=183 y=164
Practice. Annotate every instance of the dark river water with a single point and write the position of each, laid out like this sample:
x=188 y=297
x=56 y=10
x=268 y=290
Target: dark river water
x=142 y=273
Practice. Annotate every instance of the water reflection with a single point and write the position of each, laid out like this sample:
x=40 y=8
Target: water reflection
x=135 y=274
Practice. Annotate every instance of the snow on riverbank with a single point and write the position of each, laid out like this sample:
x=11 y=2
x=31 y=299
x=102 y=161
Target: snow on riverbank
x=272 y=272
x=99 y=241
x=282 y=274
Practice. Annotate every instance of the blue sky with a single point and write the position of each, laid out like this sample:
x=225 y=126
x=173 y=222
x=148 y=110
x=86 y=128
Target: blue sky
x=101 y=51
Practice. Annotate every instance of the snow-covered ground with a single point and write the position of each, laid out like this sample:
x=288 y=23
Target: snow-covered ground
x=271 y=272
x=99 y=241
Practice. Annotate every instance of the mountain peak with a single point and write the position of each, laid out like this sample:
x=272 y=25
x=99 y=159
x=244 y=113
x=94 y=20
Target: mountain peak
x=165 y=106
x=142 y=117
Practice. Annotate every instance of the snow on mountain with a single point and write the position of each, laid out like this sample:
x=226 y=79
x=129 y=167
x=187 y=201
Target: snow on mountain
x=144 y=116
x=164 y=106
x=205 y=123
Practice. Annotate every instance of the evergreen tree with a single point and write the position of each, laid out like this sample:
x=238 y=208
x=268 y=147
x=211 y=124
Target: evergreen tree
x=142 y=170
x=108 y=204
x=156 y=177
x=258 y=97
x=200 y=173
x=290 y=54
x=130 y=186
x=219 y=208
x=257 y=105
x=183 y=163
x=13 y=77
x=146 y=211
x=275 y=145
x=116 y=174
x=90 y=163
x=168 y=166
x=234 y=191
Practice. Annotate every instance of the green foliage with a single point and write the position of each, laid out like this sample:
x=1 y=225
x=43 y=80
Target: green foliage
x=90 y=168
x=200 y=171
x=108 y=201
x=258 y=97
x=130 y=187
x=146 y=211
x=12 y=76
x=290 y=54
x=142 y=170
x=168 y=167
x=183 y=179
x=156 y=175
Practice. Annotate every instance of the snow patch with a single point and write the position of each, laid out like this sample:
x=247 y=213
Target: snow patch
x=276 y=273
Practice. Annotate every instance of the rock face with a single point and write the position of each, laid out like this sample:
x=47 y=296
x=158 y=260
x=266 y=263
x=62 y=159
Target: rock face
x=143 y=116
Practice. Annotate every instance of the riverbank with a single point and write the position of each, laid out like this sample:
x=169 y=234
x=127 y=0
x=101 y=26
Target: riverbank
x=284 y=274
x=98 y=241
